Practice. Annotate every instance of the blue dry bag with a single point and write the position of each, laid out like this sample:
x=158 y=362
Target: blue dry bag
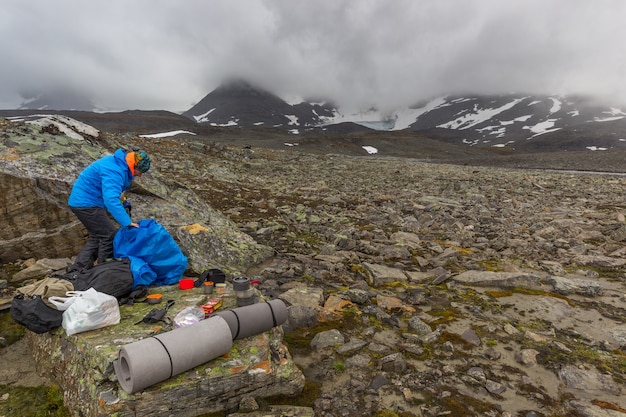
x=155 y=258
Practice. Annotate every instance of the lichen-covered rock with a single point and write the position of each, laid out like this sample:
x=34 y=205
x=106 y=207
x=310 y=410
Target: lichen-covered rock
x=258 y=366
x=40 y=160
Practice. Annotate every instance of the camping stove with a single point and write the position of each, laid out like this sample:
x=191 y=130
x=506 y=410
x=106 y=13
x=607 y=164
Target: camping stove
x=245 y=294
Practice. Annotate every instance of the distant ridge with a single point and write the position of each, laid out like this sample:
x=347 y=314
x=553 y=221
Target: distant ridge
x=523 y=122
x=58 y=99
x=238 y=103
x=534 y=122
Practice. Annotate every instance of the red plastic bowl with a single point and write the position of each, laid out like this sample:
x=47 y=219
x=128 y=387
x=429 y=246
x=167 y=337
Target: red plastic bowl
x=185 y=284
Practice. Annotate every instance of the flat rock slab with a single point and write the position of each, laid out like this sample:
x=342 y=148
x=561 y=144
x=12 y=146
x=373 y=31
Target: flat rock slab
x=82 y=365
x=381 y=274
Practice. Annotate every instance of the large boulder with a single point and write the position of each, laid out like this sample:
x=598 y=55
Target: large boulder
x=258 y=366
x=42 y=156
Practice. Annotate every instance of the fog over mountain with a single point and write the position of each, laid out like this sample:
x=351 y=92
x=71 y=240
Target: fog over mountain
x=494 y=120
x=167 y=55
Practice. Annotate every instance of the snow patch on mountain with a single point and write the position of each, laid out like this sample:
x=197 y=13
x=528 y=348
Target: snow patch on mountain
x=477 y=116
x=556 y=105
x=167 y=134
x=201 y=118
x=542 y=127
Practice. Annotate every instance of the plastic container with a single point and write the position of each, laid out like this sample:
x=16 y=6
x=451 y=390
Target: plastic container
x=208 y=287
x=220 y=288
x=154 y=298
x=185 y=284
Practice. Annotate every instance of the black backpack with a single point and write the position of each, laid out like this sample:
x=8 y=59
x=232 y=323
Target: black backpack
x=31 y=308
x=34 y=314
x=215 y=275
x=112 y=277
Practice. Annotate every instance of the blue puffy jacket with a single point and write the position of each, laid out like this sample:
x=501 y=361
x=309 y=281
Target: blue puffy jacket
x=101 y=184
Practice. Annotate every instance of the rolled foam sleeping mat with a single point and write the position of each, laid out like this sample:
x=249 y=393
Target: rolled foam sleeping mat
x=254 y=319
x=152 y=360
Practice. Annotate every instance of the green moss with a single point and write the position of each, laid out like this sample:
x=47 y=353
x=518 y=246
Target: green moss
x=308 y=278
x=359 y=268
x=500 y=293
x=33 y=402
x=465 y=406
x=491 y=265
x=374 y=321
x=339 y=366
x=529 y=291
x=605 y=272
x=306 y=398
x=299 y=340
x=9 y=329
x=445 y=315
x=606 y=362
x=455 y=339
x=308 y=238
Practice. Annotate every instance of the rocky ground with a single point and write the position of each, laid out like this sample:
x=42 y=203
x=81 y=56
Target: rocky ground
x=431 y=289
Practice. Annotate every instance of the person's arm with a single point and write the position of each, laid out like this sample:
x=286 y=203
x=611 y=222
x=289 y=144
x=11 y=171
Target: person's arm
x=112 y=188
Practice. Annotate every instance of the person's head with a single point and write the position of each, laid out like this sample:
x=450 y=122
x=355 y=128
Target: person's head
x=139 y=162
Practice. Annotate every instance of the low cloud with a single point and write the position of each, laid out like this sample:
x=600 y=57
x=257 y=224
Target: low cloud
x=166 y=54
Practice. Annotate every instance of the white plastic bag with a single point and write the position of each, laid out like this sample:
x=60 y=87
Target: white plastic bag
x=188 y=316
x=63 y=303
x=89 y=310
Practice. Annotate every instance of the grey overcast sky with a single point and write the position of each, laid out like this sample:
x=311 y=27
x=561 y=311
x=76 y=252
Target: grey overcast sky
x=168 y=54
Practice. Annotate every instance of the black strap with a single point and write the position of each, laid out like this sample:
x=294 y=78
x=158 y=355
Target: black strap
x=238 y=324
x=202 y=279
x=273 y=316
x=168 y=355
x=139 y=292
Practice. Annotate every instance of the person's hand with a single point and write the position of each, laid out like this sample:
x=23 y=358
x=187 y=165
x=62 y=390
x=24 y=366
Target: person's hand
x=133 y=225
x=127 y=206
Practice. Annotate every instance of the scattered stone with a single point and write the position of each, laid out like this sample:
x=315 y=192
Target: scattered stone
x=471 y=337
x=381 y=274
x=534 y=336
x=588 y=380
x=563 y=285
x=248 y=404
x=352 y=345
x=358 y=361
x=299 y=316
x=308 y=297
x=509 y=329
x=494 y=387
x=328 y=338
x=377 y=382
x=527 y=357
x=419 y=327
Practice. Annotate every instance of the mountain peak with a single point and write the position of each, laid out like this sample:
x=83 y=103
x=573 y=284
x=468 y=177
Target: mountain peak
x=239 y=103
x=238 y=86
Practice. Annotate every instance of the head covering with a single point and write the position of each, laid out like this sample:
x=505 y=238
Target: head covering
x=142 y=161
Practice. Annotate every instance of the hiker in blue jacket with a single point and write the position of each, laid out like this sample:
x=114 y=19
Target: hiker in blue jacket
x=98 y=190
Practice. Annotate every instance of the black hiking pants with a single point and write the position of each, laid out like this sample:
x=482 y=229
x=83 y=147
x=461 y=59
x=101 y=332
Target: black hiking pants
x=101 y=231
